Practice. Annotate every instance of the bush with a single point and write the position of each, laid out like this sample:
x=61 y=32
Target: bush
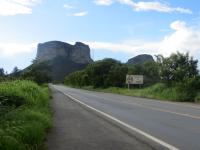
x=18 y=93
x=188 y=89
x=160 y=91
x=27 y=118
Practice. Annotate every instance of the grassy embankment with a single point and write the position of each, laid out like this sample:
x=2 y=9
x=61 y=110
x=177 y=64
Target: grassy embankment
x=158 y=91
x=24 y=115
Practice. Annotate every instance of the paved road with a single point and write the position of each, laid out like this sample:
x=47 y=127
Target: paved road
x=176 y=124
x=77 y=128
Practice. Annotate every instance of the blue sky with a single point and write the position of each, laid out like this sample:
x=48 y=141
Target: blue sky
x=119 y=29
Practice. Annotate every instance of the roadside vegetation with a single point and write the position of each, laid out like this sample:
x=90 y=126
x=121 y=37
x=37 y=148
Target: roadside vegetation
x=24 y=115
x=174 y=78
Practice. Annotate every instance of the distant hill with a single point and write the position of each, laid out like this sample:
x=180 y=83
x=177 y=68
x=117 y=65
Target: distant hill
x=140 y=59
x=57 y=59
x=63 y=58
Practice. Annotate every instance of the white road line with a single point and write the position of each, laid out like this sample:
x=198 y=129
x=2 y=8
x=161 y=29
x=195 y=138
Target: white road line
x=124 y=124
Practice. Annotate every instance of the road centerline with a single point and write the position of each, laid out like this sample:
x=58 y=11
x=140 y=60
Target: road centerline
x=167 y=111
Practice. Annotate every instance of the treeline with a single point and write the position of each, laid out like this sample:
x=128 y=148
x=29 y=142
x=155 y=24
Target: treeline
x=112 y=73
x=178 y=71
x=36 y=72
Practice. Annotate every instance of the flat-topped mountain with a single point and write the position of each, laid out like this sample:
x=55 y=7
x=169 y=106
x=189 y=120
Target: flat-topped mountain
x=78 y=53
x=140 y=59
x=63 y=58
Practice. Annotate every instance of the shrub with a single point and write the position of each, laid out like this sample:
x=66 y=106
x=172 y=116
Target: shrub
x=26 y=116
x=18 y=93
x=188 y=89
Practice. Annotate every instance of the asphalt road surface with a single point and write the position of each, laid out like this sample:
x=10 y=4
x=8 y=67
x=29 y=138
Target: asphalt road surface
x=167 y=124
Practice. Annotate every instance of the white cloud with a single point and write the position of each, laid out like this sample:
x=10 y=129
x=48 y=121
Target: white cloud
x=14 y=7
x=130 y=47
x=80 y=14
x=146 y=6
x=76 y=13
x=68 y=6
x=26 y=2
x=184 y=39
x=127 y=2
x=103 y=2
x=157 y=6
x=13 y=49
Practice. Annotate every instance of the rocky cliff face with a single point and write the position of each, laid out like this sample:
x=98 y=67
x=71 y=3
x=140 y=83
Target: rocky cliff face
x=63 y=58
x=140 y=59
x=78 y=53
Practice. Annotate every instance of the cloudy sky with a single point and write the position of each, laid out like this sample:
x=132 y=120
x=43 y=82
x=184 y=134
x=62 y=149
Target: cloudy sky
x=113 y=28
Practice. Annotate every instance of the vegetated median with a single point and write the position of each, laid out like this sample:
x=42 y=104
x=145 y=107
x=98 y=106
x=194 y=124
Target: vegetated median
x=175 y=78
x=24 y=115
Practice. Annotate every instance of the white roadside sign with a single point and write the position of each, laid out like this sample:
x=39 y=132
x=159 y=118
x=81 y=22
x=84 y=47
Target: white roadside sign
x=134 y=79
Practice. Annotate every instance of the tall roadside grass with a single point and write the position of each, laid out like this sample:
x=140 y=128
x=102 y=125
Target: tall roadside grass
x=24 y=115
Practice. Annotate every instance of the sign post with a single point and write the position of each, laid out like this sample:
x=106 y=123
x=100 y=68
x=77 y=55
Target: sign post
x=134 y=79
x=128 y=86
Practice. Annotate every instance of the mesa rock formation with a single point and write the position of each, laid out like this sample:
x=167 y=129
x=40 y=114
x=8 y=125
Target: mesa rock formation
x=63 y=58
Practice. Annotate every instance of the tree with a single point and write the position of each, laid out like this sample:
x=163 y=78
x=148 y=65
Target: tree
x=2 y=73
x=117 y=76
x=37 y=73
x=104 y=73
x=98 y=71
x=178 y=67
x=150 y=71
x=159 y=58
x=15 y=70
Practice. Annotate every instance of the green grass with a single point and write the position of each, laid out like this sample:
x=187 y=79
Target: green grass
x=24 y=115
x=158 y=91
